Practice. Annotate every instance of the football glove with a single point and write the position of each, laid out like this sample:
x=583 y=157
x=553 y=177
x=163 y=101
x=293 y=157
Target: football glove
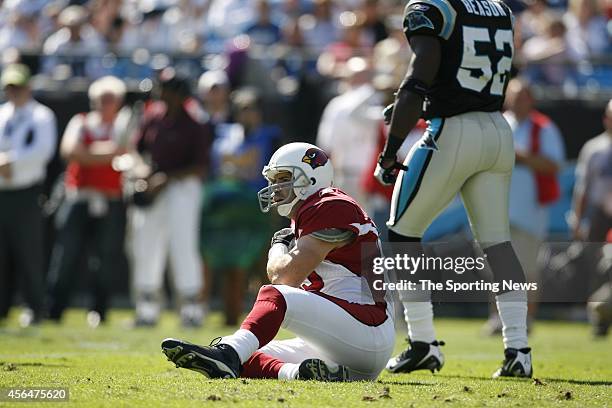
x=284 y=236
x=387 y=175
x=388 y=113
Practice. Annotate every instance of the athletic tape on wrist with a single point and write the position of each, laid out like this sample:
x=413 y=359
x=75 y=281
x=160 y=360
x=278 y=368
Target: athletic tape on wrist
x=277 y=250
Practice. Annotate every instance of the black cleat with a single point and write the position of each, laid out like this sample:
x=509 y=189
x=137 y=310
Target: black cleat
x=419 y=356
x=315 y=369
x=214 y=361
x=517 y=363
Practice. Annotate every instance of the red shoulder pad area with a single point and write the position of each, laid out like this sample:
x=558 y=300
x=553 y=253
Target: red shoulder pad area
x=329 y=209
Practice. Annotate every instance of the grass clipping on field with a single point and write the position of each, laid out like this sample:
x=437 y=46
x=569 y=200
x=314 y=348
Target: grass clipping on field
x=115 y=366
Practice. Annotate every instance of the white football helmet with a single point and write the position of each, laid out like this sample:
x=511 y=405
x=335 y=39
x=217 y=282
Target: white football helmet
x=310 y=168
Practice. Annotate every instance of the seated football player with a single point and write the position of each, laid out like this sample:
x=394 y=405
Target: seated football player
x=321 y=287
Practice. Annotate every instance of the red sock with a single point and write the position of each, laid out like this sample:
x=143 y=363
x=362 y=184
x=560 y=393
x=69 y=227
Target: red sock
x=267 y=314
x=261 y=365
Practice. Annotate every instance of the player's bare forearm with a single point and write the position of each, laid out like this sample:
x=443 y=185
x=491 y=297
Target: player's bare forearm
x=279 y=271
x=98 y=153
x=423 y=69
x=406 y=113
x=293 y=267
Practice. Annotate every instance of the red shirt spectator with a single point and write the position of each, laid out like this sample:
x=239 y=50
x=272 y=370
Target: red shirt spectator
x=100 y=177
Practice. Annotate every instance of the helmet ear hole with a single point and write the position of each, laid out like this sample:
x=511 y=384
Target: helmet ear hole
x=313 y=180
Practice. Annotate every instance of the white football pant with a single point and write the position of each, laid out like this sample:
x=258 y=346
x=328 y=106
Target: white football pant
x=169 y=227
x=327 y=332
x=471 y=154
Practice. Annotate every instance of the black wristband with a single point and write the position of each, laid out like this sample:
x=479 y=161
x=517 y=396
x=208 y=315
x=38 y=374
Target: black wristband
x=392 y=146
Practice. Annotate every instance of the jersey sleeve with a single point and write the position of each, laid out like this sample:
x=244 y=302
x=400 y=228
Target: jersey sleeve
x=334 y=214
x=429 y=17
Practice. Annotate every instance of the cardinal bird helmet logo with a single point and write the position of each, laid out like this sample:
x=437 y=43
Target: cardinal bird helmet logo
x=315 y=158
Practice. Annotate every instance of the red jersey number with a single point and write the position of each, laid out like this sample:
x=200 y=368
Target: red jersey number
x=316 y=283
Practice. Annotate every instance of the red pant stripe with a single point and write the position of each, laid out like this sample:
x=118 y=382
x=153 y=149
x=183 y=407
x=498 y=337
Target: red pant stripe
x=267 y=315
x=261 y=365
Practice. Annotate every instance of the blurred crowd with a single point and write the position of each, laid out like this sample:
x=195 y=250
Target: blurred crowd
x=169 y=180
x=130 y=38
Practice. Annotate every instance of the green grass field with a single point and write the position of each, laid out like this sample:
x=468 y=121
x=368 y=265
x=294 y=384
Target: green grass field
x=119 y=367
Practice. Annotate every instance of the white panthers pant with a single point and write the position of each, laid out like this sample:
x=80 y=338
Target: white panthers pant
x=169 y=227
x=471 y=153
x=328 y=332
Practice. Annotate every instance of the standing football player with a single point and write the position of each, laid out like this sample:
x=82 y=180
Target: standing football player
x=320 y=287
x=456 y=80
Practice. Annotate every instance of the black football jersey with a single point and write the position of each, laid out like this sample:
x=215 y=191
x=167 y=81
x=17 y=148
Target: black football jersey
x=476 y=38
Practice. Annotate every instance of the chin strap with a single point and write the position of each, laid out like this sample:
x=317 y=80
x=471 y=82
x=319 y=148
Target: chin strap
x=284 y=209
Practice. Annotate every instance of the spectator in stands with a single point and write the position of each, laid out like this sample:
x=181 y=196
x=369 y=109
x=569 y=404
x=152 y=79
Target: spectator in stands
x=392 y=55
x=319 y=29
x=375 y=29
x=234 y=231
x=92 y=214
x=192 y=25
x=226 y=19
x=292 y=9
x=292 y=34
x=49 y=19
x=550 y=51
x=592 y=219
x=155 y=30
x=186 y=27
x=592 y=191
x=349 y=129
x=176 y=146
x=587 y=33
x=114 y=34
x=27 y=143
x=332 y=61
x=214 y=90
x=259 y=142
x=21 y=29
x=539 y=156
x=75 y=49
x=263 y=31
x=294 y=58
x=103 y=14
x=535 y=18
